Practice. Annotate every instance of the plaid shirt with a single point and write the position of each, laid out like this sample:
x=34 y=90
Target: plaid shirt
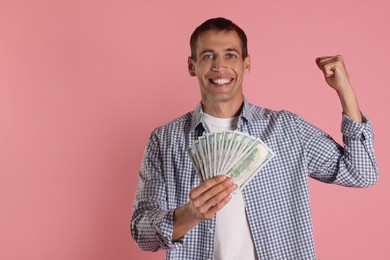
x=276 y=199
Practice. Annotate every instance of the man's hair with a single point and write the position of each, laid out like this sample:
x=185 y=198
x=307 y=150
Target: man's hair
x=219 y=24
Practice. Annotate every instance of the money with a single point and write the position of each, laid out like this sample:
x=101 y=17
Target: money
x=232 y=153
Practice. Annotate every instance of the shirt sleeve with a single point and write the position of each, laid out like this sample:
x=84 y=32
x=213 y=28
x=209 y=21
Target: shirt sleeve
x=351 y=165
x=152 y=221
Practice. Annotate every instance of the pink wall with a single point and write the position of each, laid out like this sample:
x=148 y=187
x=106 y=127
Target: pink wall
x=83 y=83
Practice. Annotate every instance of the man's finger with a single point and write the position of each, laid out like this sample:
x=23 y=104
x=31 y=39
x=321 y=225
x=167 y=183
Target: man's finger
x=329 y=69
x=217 y=198
x=322 y=61
x=215 y=208
x=206 y=185
x=216 y=191
x=217 y=202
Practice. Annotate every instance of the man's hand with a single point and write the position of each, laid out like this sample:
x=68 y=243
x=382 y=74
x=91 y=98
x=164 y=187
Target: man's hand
x=334 y=71
x=336 y=76
x=205 y=200
x=209 y=197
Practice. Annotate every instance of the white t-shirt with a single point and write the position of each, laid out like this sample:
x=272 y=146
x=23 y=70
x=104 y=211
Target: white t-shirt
x=233 y=239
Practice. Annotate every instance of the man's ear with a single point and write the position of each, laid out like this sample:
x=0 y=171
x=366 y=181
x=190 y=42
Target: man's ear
x=191 y=69
x=247 y=64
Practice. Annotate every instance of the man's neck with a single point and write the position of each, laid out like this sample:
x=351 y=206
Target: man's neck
x=223 y=109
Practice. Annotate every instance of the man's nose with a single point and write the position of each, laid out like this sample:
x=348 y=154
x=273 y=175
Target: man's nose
x=218 y=64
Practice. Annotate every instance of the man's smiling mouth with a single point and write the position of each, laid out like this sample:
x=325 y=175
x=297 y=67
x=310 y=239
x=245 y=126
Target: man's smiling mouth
x=221 y=81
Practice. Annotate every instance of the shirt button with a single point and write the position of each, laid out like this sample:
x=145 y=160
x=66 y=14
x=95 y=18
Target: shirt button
x=211 y=230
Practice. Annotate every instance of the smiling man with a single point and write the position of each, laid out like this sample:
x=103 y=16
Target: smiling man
x=219 y=65
x=270 y=217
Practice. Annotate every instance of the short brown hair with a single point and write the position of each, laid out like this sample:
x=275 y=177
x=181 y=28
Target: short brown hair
x=219 y=24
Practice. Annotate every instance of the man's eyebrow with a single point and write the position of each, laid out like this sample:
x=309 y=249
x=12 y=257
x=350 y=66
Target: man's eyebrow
x=205 y=51
x=226 y=50
x=232 y=49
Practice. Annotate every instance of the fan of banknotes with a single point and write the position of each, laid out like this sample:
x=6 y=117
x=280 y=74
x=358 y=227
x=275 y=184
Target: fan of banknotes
x=232 y=153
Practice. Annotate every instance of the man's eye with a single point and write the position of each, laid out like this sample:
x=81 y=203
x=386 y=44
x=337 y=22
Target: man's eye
x=208 y=57
x=231 y=55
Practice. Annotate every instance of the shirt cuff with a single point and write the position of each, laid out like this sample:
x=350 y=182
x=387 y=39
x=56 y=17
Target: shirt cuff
x=165 y=231
x=353 y=129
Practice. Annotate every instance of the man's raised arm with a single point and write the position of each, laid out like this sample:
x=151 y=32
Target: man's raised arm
x=336 y=76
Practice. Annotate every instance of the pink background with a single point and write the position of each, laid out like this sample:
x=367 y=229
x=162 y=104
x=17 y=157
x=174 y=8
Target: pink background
x=83 y=83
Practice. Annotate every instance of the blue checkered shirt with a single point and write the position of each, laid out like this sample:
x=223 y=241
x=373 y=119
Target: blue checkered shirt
x=276 y=199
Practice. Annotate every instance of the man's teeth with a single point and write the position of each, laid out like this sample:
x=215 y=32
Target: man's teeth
x=221 y=81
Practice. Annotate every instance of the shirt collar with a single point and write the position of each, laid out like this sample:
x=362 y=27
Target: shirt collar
x=197 y=115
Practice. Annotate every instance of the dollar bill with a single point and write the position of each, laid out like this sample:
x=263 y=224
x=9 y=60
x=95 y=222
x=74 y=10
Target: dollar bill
x=233 y=153
x=250 y=164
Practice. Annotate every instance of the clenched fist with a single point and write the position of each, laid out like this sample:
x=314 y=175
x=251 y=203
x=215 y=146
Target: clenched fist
x=336 y=76
x=334 y=71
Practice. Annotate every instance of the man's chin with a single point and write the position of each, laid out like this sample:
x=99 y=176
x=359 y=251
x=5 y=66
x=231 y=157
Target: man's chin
x=225 y=97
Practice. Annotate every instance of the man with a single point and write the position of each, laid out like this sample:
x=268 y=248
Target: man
x=270 y=217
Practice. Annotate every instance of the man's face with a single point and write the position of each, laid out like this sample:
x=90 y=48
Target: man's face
x=219 y=66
